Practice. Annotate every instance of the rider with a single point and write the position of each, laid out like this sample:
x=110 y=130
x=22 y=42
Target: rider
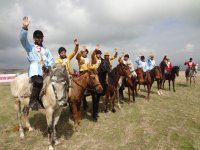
x=141 y=63
x=83 y=60
x=127 y=62
x=168 y=67
x=107 y=56
x=96 y=57
x=190 y=64
x=39 y=58
x=65 y=59
x=151 y=62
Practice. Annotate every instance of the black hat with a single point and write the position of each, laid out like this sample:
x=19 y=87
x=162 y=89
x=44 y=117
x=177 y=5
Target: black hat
x=142 y=57
x=126 y=55
x=38 y=33
x=190 y=58
x=98 y=52
x=61 y=49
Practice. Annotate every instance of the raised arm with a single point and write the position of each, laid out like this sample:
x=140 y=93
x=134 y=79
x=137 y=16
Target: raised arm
x=73 y=53
x=115 y=56
x=23 y=34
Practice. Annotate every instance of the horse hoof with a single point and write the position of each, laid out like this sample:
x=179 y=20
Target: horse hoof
x=113 y=110
x=105 y=110
x=57 y=142
x=22 y=136
x=158 y=93
x=30 y=129
x=51 y=147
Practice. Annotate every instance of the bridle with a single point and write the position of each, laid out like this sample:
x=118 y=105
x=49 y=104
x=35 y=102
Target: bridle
x=54 y=81
x=90 y=83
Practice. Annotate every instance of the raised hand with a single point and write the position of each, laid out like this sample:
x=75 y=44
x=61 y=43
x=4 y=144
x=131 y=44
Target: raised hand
x=76 y=42
x=83 y=48
x=115 y=50
x=97 y=46
x=25 y=22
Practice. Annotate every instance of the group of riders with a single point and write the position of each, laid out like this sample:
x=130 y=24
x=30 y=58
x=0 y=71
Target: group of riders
x=41 y=60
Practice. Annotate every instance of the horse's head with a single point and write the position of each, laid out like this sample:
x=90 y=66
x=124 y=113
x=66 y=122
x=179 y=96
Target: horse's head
x=140 y=75
x=123 y=70
x=94 y=80
x=60 y=83
x=104 y=66
x=176 y=70
x=157 y=72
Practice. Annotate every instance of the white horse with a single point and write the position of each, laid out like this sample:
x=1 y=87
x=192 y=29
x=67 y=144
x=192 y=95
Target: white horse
x=55 y=94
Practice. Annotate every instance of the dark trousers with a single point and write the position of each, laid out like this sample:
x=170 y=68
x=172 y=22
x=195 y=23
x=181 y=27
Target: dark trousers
x=37 y=82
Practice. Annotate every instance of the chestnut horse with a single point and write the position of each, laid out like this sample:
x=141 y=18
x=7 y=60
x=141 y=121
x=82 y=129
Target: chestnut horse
x=144 y=79
x=156 y=75
x=113 y=79
x=86 y=80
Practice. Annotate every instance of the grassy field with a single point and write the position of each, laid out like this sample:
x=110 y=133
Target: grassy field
x=167 y=122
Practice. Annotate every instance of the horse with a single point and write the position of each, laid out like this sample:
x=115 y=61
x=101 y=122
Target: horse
x=171 y=77
x=113 y=79
x=144 y=79
x=87 y=80
x=156 y=75
x=54 y=95
x=191 y=73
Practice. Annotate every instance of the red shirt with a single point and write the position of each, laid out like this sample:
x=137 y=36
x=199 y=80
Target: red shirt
x=190 y=64
x=169 y=66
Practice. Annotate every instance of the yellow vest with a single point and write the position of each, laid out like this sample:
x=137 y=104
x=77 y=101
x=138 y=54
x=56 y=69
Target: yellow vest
x=67 y=60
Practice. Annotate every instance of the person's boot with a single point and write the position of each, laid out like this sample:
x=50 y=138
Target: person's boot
x=33 y=103
x=121 y=94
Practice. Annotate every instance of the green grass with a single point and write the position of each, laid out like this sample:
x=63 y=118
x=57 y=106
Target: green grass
x=171 y=121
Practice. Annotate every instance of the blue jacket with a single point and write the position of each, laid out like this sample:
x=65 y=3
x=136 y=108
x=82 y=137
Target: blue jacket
x=141 y=64
x=36 y=55
x=151 y=63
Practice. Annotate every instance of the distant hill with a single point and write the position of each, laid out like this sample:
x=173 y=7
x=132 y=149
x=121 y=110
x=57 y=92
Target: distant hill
x=11 y=71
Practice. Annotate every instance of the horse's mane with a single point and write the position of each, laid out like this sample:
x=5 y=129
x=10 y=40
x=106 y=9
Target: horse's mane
x=175 y=68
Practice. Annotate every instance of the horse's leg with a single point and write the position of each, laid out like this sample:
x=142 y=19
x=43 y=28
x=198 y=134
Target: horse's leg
x=95 y=103
x=19 y=117
x=26 y=113
x=149 y=90
x=117 y=97
x=75 y=115
x=113 y=101
x=129 y=95
x=163 y=84
x=79 y=113
x=106 y=101
x=158 y=86
x=139 y=88
x=190 y=80
x=169 y=84
x=49 y=118
x=56 y=117
x=133 y=93
x=173 y=81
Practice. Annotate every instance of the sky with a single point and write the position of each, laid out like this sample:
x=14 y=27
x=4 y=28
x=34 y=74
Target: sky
x=132 y=26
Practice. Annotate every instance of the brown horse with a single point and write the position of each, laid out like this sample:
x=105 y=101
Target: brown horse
x=87 y=80
x=156 y=75
x=113 y=79
x=131 y=85
x=144 y=79
x=171 y=77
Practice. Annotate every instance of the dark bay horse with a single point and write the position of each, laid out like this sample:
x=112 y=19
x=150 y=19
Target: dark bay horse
x=171 y=77
x=144 y=78
x=113 y=79
x=86 y=80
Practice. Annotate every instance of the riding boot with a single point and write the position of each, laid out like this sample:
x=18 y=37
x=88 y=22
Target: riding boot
x=121 y=94
x=85 y=105
x=95 y=104
x=33 y=103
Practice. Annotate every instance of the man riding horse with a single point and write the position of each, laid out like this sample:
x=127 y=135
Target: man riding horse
x=190 y=64
x=66 y=59
x=39 y=57
x=127 y=62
